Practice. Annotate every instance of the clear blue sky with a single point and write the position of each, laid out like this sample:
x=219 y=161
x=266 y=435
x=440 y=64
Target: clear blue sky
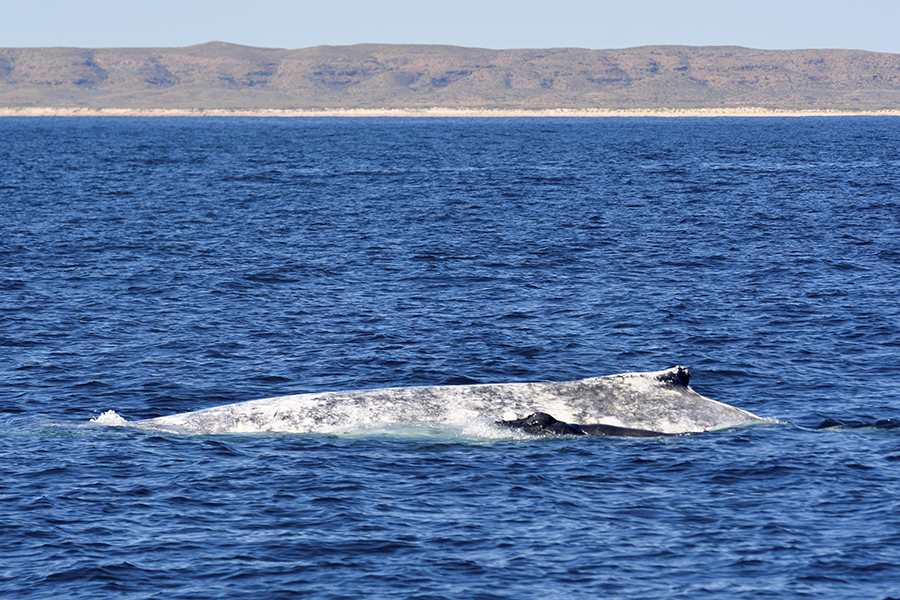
x=779 y=24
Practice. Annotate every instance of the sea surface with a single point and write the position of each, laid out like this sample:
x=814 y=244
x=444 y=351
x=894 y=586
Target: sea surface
x=153 y=266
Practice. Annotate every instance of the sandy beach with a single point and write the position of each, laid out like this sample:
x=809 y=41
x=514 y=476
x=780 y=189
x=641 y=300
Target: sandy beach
x=429 y=112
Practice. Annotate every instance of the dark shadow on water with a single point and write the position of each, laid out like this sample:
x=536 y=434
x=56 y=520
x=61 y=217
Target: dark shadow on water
x=830 y=423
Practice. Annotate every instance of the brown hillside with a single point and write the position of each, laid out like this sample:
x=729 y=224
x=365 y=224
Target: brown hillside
x=218 y=75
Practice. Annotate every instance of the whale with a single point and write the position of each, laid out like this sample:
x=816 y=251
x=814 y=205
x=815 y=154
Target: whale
x=657 y=401
x=544 y=424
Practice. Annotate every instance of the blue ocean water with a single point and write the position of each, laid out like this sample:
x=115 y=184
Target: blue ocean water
x=156 y=266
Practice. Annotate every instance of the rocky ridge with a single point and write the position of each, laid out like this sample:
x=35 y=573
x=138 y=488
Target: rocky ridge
x=368 y=76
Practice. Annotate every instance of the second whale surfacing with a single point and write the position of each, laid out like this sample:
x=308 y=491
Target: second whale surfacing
x=659 y=401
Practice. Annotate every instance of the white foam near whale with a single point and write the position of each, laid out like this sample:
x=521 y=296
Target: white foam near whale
x=657 y=401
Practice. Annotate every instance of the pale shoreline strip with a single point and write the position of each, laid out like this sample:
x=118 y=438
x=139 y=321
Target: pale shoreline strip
x=431 y=112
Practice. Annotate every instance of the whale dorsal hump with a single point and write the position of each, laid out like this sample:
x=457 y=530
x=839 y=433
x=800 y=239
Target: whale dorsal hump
x=675 y=375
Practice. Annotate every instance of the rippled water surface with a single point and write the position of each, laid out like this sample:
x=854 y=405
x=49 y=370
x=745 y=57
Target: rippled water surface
x=156 y=266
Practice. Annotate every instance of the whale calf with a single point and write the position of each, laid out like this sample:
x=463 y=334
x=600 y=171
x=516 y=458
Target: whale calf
x=659 y=401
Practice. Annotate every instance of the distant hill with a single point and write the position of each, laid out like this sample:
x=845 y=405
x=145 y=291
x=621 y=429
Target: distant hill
x=219 y=75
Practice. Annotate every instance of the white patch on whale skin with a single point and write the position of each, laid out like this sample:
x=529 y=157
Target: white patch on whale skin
x=656 y=401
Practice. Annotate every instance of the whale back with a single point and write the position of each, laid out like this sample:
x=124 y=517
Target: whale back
x=657 y=401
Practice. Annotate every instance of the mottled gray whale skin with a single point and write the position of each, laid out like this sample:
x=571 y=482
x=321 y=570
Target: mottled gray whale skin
x=660 y=401
x=544 y=424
